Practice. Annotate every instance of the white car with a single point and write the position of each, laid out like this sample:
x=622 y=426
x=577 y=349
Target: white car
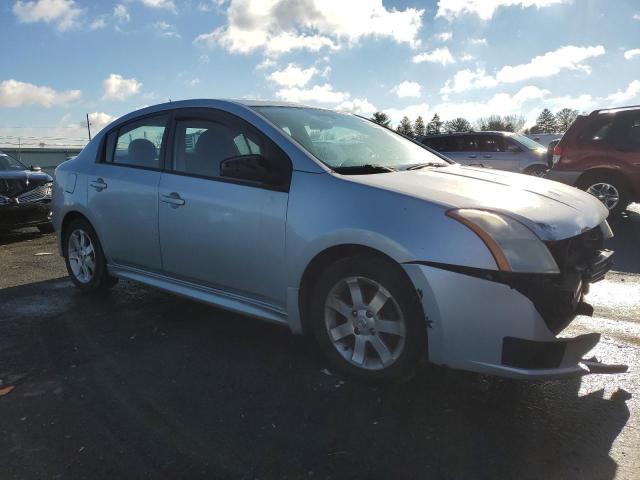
x=331 y=224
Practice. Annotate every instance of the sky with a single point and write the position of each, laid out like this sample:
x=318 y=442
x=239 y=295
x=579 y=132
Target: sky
x=64 y=59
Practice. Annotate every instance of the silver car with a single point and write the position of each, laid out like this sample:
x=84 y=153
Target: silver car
x=501 y=150
x=333 y=225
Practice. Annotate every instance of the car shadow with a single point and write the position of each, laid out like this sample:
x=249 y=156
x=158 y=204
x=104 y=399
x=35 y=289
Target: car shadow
x=16 y=236
x=626 y=230
x=136 y=382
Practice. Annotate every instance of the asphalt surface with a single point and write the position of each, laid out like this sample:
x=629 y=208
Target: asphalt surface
x=137 y=383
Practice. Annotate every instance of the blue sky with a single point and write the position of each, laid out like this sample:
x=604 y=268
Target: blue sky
x=66 y=58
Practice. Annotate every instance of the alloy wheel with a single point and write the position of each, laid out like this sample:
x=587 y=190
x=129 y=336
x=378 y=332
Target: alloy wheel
x=364 y=322
x=82 y=256
x=605 y=192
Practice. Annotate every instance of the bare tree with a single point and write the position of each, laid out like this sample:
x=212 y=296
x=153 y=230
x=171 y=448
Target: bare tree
x=457 y=125
x=381 y=118
x=565 y=117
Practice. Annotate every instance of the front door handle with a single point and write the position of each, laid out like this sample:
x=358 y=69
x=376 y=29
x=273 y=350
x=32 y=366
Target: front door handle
x=486 y=156
x=473 y=156
x=174 y=199
x=99 y=184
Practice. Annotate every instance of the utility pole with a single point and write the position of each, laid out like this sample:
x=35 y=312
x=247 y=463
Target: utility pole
x=88 y=127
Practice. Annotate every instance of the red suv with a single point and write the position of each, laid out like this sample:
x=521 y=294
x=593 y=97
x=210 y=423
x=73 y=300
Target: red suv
x=600 y=153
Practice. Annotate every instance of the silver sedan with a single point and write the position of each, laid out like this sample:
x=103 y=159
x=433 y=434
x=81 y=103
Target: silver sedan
x=330 y=224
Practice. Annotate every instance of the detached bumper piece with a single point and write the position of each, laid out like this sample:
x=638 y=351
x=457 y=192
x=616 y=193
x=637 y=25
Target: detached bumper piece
x=534 y=355
x=559 y=354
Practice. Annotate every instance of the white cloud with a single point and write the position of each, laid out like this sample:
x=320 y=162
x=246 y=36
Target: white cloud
x=445 y=36
x=121 y=13
x=621 y=96
x=160 y=4
x=194 y=82
x=63 y=13
x=360 y=106
x=486 y=8
x=636 y=16
x=281 y=26
x=411 y=111
x=467 y=80
x=165 y=29
x=551 y=63
x=407 y=89
x=318 y=93
x=634 y=52
x=14 y=93
x=97 y=24
x=99 y=120
x=478 y=41
x=293 y=76
x=116 y=87
x=439 y=55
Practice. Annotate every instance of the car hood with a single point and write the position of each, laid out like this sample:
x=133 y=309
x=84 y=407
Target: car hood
x=16 y=182
x=552 y=210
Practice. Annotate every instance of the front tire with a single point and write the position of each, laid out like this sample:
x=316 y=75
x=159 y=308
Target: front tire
x=610 y=190
x=368 y=320
x=85 y=259
x=536 y=170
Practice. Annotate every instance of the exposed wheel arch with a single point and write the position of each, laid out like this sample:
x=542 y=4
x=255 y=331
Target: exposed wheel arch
x=595 y=173
x=324 y=258
x=68 y=218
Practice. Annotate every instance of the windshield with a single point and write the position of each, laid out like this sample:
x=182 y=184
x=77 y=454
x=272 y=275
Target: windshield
x=527 y=142
x=10 y=163
x=341 y=141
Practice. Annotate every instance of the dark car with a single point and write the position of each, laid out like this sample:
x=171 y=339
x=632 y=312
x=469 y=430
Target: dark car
x=600 y=153
x=25 y=196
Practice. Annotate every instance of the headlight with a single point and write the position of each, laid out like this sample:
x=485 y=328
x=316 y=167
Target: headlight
x=514 y=247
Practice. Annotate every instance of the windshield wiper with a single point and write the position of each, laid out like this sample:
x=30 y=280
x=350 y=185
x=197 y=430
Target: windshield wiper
x=418 y=166
x=363 y=169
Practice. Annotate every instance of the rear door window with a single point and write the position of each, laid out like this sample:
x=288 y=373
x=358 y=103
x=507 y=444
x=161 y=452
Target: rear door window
x=466 y=143
x=139 y=143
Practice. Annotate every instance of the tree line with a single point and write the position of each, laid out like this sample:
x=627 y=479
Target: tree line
x=547 y=122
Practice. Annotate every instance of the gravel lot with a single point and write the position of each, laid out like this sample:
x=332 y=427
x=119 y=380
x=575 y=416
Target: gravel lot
x=137 y=383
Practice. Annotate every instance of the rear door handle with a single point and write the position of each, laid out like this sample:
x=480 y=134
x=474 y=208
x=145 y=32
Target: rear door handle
x=486 y=156
x=99 y=184
x=174 y=199
x=473 y=156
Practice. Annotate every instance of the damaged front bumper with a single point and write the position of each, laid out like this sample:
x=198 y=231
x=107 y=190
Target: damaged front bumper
x=506 y=325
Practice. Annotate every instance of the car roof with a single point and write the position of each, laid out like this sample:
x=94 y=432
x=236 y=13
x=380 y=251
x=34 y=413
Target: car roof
x=615 y=110
x=470 y=132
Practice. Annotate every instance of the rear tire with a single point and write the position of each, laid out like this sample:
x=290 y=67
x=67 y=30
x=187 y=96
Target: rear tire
x=536 y=170
x=368 y=320
x=84 y=257
x=612 y=191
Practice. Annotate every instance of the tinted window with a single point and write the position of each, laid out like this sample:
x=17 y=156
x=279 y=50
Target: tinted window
x=467 y=143
x=440 y=144
x=626 y=132
x=491 y=143
x=202 y=144
x=10 y=163
x=138 y=143
x=598 y=130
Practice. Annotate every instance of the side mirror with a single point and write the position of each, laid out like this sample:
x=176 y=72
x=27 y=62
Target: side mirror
x=253 y=168
x=35 y=168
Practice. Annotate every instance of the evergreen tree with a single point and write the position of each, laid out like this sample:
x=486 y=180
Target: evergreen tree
x=381 y=118
x=564 y=118
x=546 y=122
x=418 y=127
x=435 y=125
x=457 y=125
x=405 y=127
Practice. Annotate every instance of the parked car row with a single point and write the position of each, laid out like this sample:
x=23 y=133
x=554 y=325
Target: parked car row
x=600 y=153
